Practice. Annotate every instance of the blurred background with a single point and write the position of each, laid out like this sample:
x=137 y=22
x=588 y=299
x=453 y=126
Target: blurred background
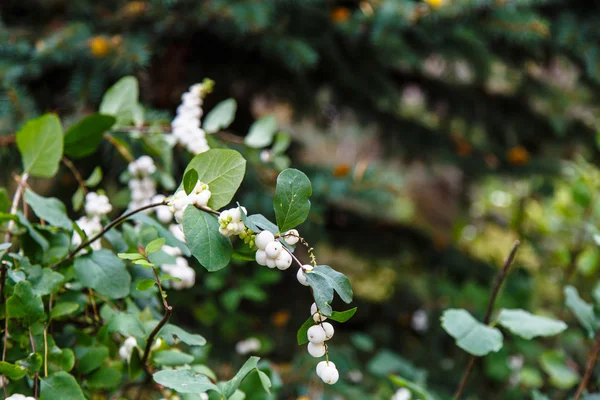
x=435 y=134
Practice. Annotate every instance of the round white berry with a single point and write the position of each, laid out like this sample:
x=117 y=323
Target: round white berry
x=273 y=249
x=313 y=308
x=271 y=262
x=316 y=350
x=322 y=365
x=291 y=237
x=317 y=316
x=330 y=374
x=283 y=260
x=301 y=275
x=263 y=239
x=328 y=328
x=316 y=334
x=261 y=257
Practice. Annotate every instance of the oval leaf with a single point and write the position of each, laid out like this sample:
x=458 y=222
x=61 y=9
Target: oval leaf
x=184 y=381
x=40 y=143
x=210 y=248
x=261 y=132
x=104 y=272
x=471 y=335
x=528 y=326
x=60 y=385
x=190 y=179
x=291 y=203
x=145 y=284
x=121 y=100
x=584 y=312
x=220 y=117
x=83 y=138
x=49 y=209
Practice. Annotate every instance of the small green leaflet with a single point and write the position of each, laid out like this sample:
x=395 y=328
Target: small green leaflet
x=121 y=100
x=49 y=209
x=63 y=309
x=190 y=179
x=343 y=316
x=104 y=272
x=220 y=117
x=584 y=312
x=258 y=222
x=261 y=132
x=145 y=284
x=169 y=332
x=291 y=202
x=130 y=256
x=95 y=178
x=471 y=335
x=155 y=245
x=40 y=142
x=171 y=357
x=12 y=371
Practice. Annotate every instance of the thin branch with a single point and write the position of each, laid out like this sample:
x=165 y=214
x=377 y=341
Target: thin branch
x=75 y=173
x=107 y=228
x=163 y=321
x=36 y=378
x=589 y=368
x=488 y=314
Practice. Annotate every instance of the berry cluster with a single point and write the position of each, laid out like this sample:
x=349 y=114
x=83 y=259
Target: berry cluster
x=271 y=252
x=181 y=270
x=230 y=222
x=186 y=125
x=250 y=345
x=18 y=396
x=317 y=336
x=199 y=197
x=97 y=205
x=142 y=187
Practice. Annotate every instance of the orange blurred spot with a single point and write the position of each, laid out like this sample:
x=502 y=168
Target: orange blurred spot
x=281 y=318
x=518 y=155
x=134 y=8
x=440 y=242
x=463 y=148
x=342 y=170
x=340 y=14
x=99 y=46
x=435 y=3
x=303 y=398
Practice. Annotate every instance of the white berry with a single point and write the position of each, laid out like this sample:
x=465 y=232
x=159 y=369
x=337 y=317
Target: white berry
x=324 y=364
x=316 y=350
x=273 y=249
x=291 y=237
x=283 y=260
x=263 y=239
x=328 y=328
x=316 y=334
x=301 y=274
x=330 y=374
x=317 y=316
x=271 y=262
x=261 y=257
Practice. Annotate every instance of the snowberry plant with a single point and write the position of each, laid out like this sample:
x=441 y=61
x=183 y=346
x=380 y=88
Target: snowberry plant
x=85 y=290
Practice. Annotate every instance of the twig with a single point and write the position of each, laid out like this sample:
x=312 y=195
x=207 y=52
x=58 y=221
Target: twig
x=36 y=378
x=107 y=228
x=75 y=173
x=45 y=350
x=163 y=321
x=589 y=368
x=488 y=314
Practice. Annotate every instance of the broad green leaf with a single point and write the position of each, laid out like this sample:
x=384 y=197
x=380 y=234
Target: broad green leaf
x=258 y=222
x=11 y=371
x=40 y=143
x=471 y=335
x=322 y=292
x=95 y=178
x=49 y=209
x=265 y=381
x=126 y=325
x=90 y=358
x=210 y=248
x=301 y=335
x=130 y=256
x=171 y=357
x=25 y=305
x=190 y=180
x=63 y=309
x=44 y=280
x=420 y=391
x=121 y=100
x=83 y=138
x=105 y=378
x=222 y=170
x=338 y=281
x=587 y=261
x=343 y=316
x=155 y=245
x=291 y=202
x=554 y=364
x=220 y=117
x=261 y=132
x=60 y=385
x=528 y=326
x=168 y=332
x=104 y=272
x=584 y=312
x=35 y=235
x=232 y=385
x=145 y=284
x=144 y=263
x=184 y=381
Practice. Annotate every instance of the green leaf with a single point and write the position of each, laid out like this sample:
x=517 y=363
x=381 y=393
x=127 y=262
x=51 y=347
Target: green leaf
x=261 y=132
x=190 y=179
x=528 y=326
x=282 y=142
x=162 y=232
x=77 y=199
x=265 y=381
x=258 y=222
x=471 y=335
x=168 y=332
x=11 y=371
x=232 y=385
x=105 y=378
x=95 y=178
x=144 y=263
x=338 y=281
x=343 y=316
x=536 y=395
x=90 y=358
x=155 y=245
x=210 y=248
x=121 y=100
x=45 y=281
x=83 y=138
x=291 y=202
x=50 y=209
x=413 y=387
x=584 y=312
x=184 y=381
x=4 y=201
x=222 y=170
x=171 y=357
x=386 y=362
x=322 y=292
x=220 y=117
x=166 y=277
x=301 y=335
x=126 y=325
x=25 y=305
x=130 y=256
x=145 y=284
x=35 y=235
x=40 y=142
x=60 y=385
x=561 y=376
x=63 y=309
x=104 y=272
